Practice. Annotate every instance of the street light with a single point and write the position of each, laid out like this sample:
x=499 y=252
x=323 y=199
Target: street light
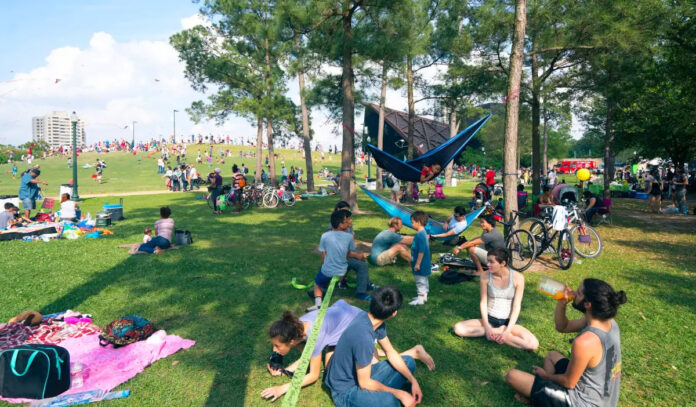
x=175 y=124
x=133 y=142
x=73 y=120
x=484 y=156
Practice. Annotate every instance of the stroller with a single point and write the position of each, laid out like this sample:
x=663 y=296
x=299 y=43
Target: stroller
x=568 y=194
x=481 y=195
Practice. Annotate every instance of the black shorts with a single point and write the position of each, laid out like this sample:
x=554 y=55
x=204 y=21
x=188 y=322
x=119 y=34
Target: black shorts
x=497 y=322
x=549 y=394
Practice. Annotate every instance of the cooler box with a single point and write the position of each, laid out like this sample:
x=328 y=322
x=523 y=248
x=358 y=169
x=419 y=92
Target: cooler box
x=641 y=195
x=116 y=211
x=371 y=184
x=65 y=189
x=632 y=194
x=13 y=199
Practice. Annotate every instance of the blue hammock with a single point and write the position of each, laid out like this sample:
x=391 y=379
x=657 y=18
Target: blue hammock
x=443 y=154
x=433 y=227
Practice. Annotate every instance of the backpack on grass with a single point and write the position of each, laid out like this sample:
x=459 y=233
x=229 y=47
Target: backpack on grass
x=126 y=330
x=34 y=371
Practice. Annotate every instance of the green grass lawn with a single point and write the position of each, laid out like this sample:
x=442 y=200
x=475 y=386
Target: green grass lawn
x=226 y=289
x=126 y=172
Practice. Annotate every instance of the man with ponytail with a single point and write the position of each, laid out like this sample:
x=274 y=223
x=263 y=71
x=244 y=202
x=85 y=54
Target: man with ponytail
x=357 y=378
x=592 y=375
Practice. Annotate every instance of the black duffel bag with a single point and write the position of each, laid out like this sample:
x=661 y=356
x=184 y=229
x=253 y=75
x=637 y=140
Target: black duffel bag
x=182 y=237
x=34 y=371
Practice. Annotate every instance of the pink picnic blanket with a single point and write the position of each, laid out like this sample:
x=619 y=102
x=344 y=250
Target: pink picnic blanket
x=107 y=367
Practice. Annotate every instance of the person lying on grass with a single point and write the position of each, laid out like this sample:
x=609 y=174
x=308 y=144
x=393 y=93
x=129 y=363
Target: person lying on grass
x=389 y=244
x=478 y=248
x=455 y=225
x=164 y=229
x=592 y=375
x=356 y=377
x=501 y=301
x=291 y=331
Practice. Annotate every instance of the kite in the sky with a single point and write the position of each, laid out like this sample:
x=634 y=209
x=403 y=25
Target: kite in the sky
x=58 y=80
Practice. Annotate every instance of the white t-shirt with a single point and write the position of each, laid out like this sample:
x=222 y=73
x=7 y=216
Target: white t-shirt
x=396 y=186
x=194 y=174
x=67 y=210
x=552 y=178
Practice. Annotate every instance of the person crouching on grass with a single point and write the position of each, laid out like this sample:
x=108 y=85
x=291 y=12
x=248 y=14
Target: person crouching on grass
x=420 y=257
x=336 y=246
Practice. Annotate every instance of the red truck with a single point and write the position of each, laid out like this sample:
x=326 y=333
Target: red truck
x=570 y=166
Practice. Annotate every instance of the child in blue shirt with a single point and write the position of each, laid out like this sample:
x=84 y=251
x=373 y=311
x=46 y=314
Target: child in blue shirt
x=420 y=257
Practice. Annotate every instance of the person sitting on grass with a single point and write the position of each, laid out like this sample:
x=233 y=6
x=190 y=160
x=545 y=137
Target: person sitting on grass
x=429 y=172
x=454 y=226
x=291 y=331
x=336 y=247
x=592 y=375
x=68 y=208
x=389 y=244
x=478 y=248
x=164 y=228
x=501 y=301
x=592 y=204
x=354 y=375
x=7 y=217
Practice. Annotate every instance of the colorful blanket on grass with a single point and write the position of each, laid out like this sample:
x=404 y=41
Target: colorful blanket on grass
x=107 y=367
x=49 y=332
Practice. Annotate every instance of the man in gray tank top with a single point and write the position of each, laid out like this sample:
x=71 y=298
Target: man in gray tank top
x=592 y=375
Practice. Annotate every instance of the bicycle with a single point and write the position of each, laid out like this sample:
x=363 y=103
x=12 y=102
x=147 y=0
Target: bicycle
x=520 y=244
x=586 y=240
x=559 y=242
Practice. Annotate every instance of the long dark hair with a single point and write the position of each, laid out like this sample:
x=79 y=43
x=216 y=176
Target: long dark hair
x=287 y=329
x=605 y=301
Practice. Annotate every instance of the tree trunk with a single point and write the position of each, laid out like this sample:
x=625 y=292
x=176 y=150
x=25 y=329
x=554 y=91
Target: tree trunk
x=380 y=129
x=259 y=149
x=536 y=113
x=305 y=122
x=271 y=153
x=512 y=111
x=347 y=184
x=608 y=143
x=411 y=121
x=546 y=146
x=454 y=128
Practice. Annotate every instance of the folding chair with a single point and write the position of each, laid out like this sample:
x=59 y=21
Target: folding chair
x=605 y=213
x=47 y=203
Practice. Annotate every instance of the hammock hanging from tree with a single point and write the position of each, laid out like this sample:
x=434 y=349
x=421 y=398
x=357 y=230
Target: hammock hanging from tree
x=443 y=154
x=402 y=212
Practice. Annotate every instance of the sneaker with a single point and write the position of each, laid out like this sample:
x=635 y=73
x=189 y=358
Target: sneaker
x=363 y=296
x=435 y=268
x=312 y=308
x=417 y=301
x=372 y=287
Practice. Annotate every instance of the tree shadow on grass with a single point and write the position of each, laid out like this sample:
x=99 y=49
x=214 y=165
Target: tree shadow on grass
x=223 y=292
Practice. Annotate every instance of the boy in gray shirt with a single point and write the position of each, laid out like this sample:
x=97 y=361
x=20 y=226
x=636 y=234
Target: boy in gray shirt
x=336 y=246
x=7 y=217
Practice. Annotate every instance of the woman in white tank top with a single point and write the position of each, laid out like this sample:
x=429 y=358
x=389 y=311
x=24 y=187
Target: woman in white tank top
x=501 y=300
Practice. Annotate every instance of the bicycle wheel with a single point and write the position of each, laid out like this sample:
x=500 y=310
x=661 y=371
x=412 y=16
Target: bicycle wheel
x=270 y=200
x=527 y=223
x=522 y=247
x=209 y=199
x=538 y=231
x=565 y=249
x=289 y=199
x=587 y=241
x=246 y=201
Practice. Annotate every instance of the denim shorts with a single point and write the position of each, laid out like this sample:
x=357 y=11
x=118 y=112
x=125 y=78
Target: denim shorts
x=28 y=203
x=322 y=280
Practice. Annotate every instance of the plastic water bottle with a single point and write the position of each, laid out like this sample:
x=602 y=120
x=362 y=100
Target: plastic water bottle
x=76 y=377
x=554 y=289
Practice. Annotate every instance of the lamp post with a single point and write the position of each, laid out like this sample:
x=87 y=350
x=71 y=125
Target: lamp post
x=133 y=142
x=73 y=120
x=484 y=156
x=174 y=113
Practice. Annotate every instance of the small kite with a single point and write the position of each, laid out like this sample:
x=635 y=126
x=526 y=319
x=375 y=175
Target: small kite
x=58 y=80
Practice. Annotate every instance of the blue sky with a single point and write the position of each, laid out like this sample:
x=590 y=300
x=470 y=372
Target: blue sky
x=29 y=30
